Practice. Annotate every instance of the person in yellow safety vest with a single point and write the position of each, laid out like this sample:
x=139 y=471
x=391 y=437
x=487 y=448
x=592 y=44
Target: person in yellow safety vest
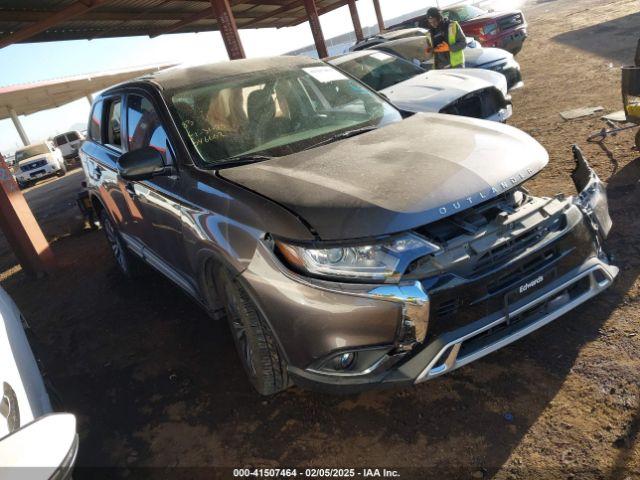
x=445 y=40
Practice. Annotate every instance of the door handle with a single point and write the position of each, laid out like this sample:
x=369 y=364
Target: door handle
x=131 y=190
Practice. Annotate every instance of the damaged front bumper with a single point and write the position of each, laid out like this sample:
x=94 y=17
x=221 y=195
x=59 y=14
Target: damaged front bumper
x=561 y=268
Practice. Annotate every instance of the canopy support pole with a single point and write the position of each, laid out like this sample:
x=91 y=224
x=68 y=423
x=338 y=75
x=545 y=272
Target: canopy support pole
x=376 y=5
x=228 y=28
x=18 y=125
x=355 y=18
x=20 y=227
x=316 y=28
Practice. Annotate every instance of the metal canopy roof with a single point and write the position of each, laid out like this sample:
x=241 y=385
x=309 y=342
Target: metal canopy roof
x=89 y=19
x=33 y=97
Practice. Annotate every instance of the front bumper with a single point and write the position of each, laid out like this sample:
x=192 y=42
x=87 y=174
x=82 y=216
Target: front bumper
x=412 y=332
x=471 y=342
x=510 y=40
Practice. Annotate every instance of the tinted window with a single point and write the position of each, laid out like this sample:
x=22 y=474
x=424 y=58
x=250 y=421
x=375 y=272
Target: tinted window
x=463 y=13
x=114 y=126
x=95 y=122
x=144 y=127
x=60 y=140
x=380 y=70
x=72 y=136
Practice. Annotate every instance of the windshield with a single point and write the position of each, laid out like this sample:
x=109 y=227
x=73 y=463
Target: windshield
x=31 y=151
x=412 y=49
x=464 y=13
x=275 y=112
x=380 y=70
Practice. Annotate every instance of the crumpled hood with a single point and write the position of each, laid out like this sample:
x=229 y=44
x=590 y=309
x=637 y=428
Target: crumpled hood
x=399 y=177
x=431 y=91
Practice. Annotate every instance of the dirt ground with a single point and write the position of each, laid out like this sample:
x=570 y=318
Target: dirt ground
x=155 y=383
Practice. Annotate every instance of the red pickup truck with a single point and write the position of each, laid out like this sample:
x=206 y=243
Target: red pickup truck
x=506 y=30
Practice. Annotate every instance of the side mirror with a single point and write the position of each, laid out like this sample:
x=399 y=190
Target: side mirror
x=141 y=164
x=47 y=445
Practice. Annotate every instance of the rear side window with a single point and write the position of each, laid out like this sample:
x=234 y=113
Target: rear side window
x=114 y=118
x=144 y=127
x=72 y=136
x=95 y=122
x=60 y=140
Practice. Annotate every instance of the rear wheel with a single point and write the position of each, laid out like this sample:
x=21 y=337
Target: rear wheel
x=258 y=350
x=128 y=264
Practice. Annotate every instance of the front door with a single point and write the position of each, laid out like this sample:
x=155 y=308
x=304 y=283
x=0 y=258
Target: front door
x=156 y=202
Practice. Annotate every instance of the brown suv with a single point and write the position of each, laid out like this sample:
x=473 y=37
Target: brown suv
x=349 y=247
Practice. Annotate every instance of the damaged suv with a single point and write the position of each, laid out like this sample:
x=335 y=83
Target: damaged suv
x=349 y=248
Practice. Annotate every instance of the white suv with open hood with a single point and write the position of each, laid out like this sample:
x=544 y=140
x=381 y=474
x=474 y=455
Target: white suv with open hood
x=37 y=161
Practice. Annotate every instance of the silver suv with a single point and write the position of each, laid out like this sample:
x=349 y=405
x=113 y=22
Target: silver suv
x=37 y=161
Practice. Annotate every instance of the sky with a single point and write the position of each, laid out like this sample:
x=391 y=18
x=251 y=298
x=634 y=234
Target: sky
x=25 y=63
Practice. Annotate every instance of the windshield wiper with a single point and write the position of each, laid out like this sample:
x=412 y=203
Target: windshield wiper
x=341 y=136
x=246 y=159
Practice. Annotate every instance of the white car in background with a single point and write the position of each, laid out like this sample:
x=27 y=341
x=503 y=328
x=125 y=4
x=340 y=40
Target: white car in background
x=69 y=144
x=37 y=161
x=31 y=435
x=469 y=92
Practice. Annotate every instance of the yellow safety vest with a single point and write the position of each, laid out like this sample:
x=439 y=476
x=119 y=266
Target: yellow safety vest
x=456 y=59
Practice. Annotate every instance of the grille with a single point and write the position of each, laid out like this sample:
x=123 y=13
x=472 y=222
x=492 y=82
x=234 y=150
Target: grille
x=33 y=165
x=456 y=301
x=480 y=104
x=509 y=22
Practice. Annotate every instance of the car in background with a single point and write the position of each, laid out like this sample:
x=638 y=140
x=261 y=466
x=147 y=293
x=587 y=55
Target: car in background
x=31 y=435
x=69 y=144
x=37 y=161
x=469 y=92
x=413 y=49
x=351 y=247
x=506 y=29
x=387 y=37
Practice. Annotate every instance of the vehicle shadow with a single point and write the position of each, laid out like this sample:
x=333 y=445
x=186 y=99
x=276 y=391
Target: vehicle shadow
x=154 y=382
x=613 y=40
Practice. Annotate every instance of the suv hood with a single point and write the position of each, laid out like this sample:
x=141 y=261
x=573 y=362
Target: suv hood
x=488 y=17
x=399 y=177
x=431 y=91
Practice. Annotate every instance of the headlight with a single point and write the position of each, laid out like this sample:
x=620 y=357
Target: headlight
x=592 y=194
x=379 y=262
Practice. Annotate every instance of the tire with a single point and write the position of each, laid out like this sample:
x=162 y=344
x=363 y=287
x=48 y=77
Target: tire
x=128 y=264
x=256 y=346
x=63 y=170
x=638 y=139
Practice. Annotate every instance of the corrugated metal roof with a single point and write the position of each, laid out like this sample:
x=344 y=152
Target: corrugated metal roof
x=116 y=18
x=32 y=97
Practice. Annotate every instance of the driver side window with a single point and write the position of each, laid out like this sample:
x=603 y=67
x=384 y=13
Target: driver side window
x=144 y=127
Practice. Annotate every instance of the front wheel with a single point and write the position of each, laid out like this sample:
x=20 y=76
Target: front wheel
x=256 y=346
x=129 y=265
